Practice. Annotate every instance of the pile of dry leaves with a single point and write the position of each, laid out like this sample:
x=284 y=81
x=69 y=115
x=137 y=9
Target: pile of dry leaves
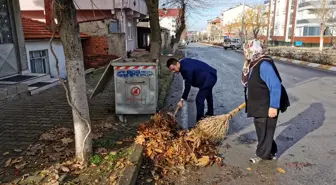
x=169 y=148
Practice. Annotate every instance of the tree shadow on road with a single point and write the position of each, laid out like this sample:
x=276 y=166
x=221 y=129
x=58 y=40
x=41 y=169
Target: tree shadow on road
x=297 y=128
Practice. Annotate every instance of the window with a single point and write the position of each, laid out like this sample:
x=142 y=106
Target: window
x=129 y=29
x=114 y=27
x=311 y=31
x=39 y=62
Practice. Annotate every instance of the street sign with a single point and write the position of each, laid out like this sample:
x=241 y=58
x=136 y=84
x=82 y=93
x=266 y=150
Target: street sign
x=298 y=43
x=135 y=91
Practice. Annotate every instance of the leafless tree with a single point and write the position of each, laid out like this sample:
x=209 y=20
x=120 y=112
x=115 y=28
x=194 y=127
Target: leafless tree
x=323 y=11
x=186 y=8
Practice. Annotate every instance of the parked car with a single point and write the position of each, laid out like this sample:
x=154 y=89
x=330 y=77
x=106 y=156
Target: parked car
x=233 y=43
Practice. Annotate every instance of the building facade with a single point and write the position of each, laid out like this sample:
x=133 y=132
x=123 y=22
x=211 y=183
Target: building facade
x=215 y=30
x=169 y=19
x=97 y=17
x=297 y=20
x=13 y=60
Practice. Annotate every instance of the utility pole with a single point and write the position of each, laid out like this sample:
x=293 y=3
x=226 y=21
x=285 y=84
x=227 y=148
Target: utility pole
x=242 y=30
x=268 y=20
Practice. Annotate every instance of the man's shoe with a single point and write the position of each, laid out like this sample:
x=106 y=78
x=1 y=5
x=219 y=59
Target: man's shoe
x=208 y=115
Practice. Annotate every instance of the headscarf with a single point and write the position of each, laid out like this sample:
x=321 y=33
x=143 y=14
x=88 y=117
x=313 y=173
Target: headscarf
x=253 y=52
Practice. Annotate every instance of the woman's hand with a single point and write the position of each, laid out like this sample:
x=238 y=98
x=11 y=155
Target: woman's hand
x=272 y=112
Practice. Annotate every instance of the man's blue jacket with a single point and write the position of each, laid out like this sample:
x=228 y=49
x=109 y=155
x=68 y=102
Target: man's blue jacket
x=197 y=74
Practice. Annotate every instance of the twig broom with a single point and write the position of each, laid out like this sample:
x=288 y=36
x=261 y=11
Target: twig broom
x=215 y=128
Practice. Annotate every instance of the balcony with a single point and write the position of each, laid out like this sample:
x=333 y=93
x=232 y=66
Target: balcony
x=314 y=21
x=314 y=4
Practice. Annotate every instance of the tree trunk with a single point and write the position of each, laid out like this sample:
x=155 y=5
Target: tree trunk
x=69 y=33
x=181 y=27
x=153 y=12
x=322 y=37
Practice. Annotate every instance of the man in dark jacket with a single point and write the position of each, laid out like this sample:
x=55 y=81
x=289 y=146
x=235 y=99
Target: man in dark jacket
x=197 y=74
x=265 y=98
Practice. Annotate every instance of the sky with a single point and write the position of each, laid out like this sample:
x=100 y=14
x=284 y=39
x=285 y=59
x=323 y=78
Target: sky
x=198 y=21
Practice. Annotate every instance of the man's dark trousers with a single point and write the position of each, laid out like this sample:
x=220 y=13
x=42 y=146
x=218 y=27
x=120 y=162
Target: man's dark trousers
x=205 y=93
x=265 y=128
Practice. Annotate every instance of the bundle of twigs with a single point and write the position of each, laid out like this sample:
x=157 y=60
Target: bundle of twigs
x=215 y=128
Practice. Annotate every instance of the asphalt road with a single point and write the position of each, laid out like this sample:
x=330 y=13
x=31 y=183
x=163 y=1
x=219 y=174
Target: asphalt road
x=305 y=134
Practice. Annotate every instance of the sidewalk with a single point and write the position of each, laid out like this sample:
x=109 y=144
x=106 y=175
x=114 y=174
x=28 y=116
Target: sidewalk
x=302 y=63
x=23 y=121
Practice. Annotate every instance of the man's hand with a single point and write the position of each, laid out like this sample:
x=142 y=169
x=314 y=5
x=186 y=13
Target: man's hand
x=272 y=112
x=180 y=103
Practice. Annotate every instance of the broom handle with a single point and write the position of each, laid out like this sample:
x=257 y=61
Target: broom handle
x=177 y=109
x=235 y=111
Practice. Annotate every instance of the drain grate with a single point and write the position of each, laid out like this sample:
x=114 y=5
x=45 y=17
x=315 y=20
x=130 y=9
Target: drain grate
x=17 y=78
x=39 y=84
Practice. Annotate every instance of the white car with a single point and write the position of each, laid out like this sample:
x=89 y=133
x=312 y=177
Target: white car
x=231 y=43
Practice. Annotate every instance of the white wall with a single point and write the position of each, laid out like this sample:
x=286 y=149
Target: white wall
x=140 y=5
x=83 y=4
x=43 y=45
x=280 y=18
x=124 y=21
x=168 y=22
x=32 y=4
x=231 y=15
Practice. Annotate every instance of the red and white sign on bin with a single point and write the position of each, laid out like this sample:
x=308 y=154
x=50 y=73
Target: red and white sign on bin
x=135 y=91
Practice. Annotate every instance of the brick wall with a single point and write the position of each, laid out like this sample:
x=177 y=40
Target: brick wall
x=95 y=50
x=312 y=39
x=95 y=45
x=315 y=40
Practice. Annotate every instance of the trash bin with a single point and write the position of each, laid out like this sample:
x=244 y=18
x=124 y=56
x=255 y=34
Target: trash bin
x=136 y=87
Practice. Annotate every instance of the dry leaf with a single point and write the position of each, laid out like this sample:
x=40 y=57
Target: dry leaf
x=48 y=137
x=119 y=142
x=140 y=139
x=16 y=160
x=21 y=166
x=203 y=161
x=67 y=140
x=58 y=148
x=8 y=162
x=249 y=169
x=17 y=150
x=280 y=170
x=65 y=169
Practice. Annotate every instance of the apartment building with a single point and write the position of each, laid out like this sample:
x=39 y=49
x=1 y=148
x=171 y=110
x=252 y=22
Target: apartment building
x=215 y=29
x=295 y=20
x=169 y=18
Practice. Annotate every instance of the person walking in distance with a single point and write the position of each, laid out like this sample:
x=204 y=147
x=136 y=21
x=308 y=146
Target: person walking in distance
x=197 y=74
x=265 y=96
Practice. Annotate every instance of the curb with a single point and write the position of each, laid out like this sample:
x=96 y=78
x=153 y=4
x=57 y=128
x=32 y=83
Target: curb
x=91 y=70
x=211 y=45
x=302 y=63
x=130 y=174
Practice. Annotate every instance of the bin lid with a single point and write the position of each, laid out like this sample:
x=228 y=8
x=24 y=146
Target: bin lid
x=104 y=80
